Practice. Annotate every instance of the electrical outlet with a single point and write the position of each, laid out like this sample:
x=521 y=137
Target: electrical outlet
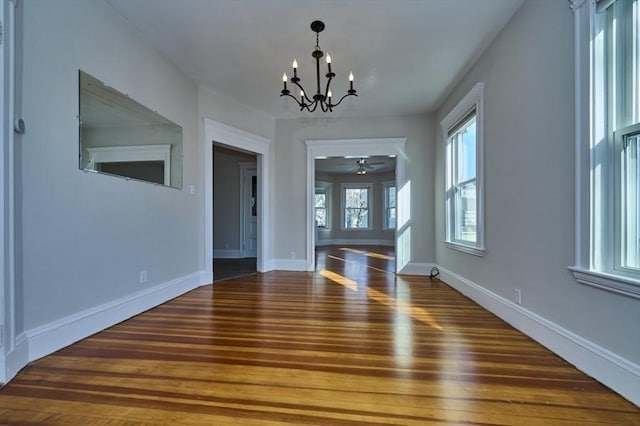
x=518 y=297
x=143 y=276
x=293 y=254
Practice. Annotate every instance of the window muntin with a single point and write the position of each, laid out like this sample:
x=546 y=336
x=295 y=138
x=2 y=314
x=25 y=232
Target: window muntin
x=390 y=206
x=627 y=196
x=320 y=205
x=356 y=203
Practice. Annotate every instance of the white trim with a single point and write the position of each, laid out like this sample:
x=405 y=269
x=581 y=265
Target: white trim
x=610 y=282
x=48 y=338
x=620 y=374
x=476 y=251
x=355 y=148
x=474 y=100
x=227 y=254
x=245 y=168
x=10 y=345
x=575 y=4
x=355 y=242
x=236 y=138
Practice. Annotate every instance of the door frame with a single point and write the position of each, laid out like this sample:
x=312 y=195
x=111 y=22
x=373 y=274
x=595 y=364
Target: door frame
x=237 y=139
x=357 y=148
x=245 y=167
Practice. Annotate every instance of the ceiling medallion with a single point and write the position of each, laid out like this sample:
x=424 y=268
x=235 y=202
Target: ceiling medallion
x=323 y=99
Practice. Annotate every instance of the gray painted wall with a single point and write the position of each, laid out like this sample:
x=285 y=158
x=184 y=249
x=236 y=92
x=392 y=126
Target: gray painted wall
x=83 y=237
x=529 y=166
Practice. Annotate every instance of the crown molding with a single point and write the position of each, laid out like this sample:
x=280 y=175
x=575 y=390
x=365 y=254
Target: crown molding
x=575 y=4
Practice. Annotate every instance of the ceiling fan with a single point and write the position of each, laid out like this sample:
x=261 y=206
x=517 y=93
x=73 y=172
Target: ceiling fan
x=364 y=165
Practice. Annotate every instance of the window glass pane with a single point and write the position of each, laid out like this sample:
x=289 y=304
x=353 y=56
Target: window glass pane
x=320 y=200
x=467 y=152
x=321 y=217
x=465 y=207
x=391 y=217
x=356 y=197
x=630 y=203
x=391 y=196
x=356 y=218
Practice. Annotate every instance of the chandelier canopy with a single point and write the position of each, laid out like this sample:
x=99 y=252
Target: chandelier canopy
x=323 y=99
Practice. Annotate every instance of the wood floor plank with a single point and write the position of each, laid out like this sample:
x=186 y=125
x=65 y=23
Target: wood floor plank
x=358 y=345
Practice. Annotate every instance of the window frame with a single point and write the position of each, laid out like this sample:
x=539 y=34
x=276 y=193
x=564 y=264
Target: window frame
x=385 y=205
x=326 y=187
x=343 y=201
x=597 y=200
x=471 y=104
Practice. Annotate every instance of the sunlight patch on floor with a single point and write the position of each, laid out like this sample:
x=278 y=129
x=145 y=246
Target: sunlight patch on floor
x=342 y=259
x=414 y=312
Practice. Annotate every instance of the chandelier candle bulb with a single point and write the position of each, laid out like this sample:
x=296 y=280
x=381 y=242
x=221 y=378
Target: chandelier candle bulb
x=329 y=63
x=284 y=80
x=295 y=68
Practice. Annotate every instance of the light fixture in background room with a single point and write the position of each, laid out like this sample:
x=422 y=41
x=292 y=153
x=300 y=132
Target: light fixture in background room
x=323 y=99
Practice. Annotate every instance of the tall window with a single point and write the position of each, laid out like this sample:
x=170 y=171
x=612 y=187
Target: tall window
x=320 y=204
x=389 y=206
x=356 y=201
x=612 y=183
x=463 y=195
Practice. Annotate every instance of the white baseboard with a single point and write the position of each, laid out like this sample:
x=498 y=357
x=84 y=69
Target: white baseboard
x=415 y=268
x=355 y=242
x=206 y=277
x=15 y=360
x=55 y=335
x=620 y=374
x=289 y=265
x=227 y=254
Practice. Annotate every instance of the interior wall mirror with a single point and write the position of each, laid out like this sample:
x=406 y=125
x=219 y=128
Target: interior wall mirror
x=121 y=137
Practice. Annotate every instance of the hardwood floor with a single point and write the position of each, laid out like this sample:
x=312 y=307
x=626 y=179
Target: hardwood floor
x=223 y=269
x=349 y=344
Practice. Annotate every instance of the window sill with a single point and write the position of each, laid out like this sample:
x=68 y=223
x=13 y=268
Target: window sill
x=607 y=281
x=356 y=229
x=476 y=251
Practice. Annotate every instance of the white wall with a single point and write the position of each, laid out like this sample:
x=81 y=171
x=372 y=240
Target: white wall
x=85 y=237
x=290 y=180
x=529 y=178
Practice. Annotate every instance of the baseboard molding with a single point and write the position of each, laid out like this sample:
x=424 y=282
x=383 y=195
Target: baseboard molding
x=415 y=268
x=355 y=242
x=55 y=335
x=206 y=277
x=619 y=374
x=289 y=265
x=14 y=361
x=227 y=254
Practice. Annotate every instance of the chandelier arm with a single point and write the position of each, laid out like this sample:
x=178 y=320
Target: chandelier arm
x=315 y=105
x=301 y=105
x=326 y=89
x=303 y=91
x=342 y=98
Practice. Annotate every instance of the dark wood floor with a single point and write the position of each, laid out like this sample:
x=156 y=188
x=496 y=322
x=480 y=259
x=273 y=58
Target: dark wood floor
x=349 y=344
x=223 y=269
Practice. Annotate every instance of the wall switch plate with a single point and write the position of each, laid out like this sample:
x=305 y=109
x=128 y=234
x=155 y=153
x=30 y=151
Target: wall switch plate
x=518 y=297
x=143 y=276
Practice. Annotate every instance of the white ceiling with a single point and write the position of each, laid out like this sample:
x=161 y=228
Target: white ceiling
x=405 y=54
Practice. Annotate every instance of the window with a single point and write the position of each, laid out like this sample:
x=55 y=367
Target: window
x=356 y=202
x=463 y=188
x=389 y=205
x=320 y=204
x=610 y=256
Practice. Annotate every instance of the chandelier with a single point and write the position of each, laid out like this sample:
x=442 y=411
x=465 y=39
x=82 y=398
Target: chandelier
x=320 y=98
